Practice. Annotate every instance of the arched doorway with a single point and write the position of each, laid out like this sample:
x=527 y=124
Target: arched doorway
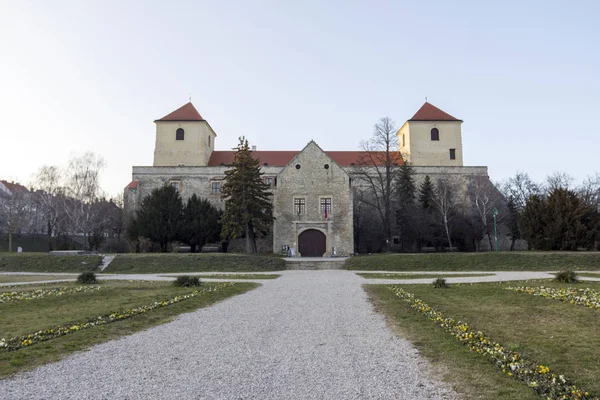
x=312 y=243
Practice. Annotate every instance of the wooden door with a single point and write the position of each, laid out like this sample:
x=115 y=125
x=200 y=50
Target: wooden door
x=312 y=243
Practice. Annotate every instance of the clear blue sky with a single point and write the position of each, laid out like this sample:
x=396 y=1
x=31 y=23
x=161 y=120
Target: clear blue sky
x=93 y=75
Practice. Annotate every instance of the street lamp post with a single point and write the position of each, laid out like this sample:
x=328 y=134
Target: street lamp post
x=495 y=231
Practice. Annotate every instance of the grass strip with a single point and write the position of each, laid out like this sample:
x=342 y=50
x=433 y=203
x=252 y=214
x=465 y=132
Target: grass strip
x=234 y=276
x=19 y=342
x=33 y=278
x=158 y=263
x=371 y=275
x=584 y=297
x=537 y=376
x=8 y=297
x=589 y=274
x=480 y=262
x=40 y=262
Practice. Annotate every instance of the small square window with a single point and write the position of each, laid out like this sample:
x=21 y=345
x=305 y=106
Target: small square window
x=300 y=206
x=453 y=154
x=175 y=184
x=269 y=181
x=215 y=187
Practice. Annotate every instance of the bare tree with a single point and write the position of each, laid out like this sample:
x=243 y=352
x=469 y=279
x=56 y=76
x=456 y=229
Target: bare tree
x=444 y=202
x=14 y=210
x=558 y=180
x=49 y=197
x=589 y=191
x=377 y=172
x=520 y=187
x=83 y=189
x=484 y=199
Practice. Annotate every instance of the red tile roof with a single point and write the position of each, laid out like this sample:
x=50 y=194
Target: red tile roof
x=12 y=186
x=187 y=112
x=429 y=112
x=133 y=185
x=282 y=158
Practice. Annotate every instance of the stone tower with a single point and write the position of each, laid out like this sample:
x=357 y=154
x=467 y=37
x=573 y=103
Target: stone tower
x=183 y=138
x=431 y=138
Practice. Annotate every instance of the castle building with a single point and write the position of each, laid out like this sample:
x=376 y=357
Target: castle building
x=313 y=190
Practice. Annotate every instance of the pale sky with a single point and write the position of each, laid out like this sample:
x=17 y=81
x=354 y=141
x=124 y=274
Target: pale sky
x=94 y=75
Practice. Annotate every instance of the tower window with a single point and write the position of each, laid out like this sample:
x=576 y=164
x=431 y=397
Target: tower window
x=216 y=187
x=435 y=134
x=403 y=140
x=300 y=206
x=209 y=141
x=453 y=154
x=179 y=134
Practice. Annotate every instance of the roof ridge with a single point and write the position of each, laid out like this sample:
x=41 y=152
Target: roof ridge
x=186 y=112
x=429 y=112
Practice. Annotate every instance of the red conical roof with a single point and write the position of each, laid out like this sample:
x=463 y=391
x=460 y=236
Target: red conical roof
x=187 y=112
x=429 y=112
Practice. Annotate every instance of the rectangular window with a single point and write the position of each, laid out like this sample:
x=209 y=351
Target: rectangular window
x=209 y=141
x=403 y=141
x=175 y=184
x=300 y=206
x=326 y=205
x=216 y=187
x=269 y=181
x=453 y=154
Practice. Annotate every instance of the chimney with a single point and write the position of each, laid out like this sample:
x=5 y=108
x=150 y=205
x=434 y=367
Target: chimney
x=253 y=147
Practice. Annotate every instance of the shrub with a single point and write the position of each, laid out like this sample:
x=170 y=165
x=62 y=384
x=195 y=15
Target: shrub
x=87 y=278
x=566 y=277
x=187 y=281
x=440 y=283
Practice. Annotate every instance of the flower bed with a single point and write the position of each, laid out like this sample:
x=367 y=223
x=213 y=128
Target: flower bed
x=8 y=297
x=19 y=342
x=548 y=384
x=583 y=297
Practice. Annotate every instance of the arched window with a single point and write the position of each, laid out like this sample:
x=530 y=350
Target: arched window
x=179 y=134
x=435 y=134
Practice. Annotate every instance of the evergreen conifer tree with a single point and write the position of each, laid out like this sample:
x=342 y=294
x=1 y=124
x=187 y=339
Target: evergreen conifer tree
x=426 y=193
x=160 y=215
x=200 y=223
x=248 y=207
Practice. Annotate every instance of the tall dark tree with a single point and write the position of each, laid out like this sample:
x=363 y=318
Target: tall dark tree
x=200 y=223
x=512 y=222
x=406 y=214
x=248 y=206
x=426 y=193
x=160 y=216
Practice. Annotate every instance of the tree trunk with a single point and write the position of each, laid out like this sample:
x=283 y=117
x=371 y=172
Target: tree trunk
x=49 y=232
x=489 y=235
x=512 y=243
x=447 y=231
x=250 y=239
x=9 y=241
x=192 y=248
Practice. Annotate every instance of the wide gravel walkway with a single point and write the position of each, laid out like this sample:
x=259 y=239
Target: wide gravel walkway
x=306 y=335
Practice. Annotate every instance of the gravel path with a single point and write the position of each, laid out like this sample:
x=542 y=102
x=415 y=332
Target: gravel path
x=306 y=335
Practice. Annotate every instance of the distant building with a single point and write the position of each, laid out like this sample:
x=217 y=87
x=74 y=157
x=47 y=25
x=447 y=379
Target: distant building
x=312 y=189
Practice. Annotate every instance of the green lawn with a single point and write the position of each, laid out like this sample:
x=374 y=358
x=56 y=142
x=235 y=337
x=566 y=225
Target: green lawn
x=24 y=317
x=235 y=276
x=32 y=278
x=488 y=261
x=589 y=274
x=559 y=335
x=217 y=262
x=39 y=262
x=369 y=275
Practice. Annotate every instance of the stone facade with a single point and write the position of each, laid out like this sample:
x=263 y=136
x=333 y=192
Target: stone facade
x=309 y=184
x=304 y=184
